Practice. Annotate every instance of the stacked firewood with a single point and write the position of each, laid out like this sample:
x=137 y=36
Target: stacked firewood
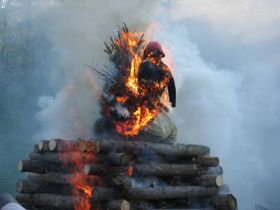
x=124 y=175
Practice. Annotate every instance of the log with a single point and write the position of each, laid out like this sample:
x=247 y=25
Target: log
x=119 y=205
x=167 y=170
x=71 y=157
x=207 y=161
x=82 y=158
x=100 y=170
x=136 y=147
x=58 y=178
x=158 y=193
x=32 y=186
x=31 y=166
x=43 y=146
x=37 y=166
x=210 y=180
x=36 y=148
x=214 y=171
x=226 y=201
x=146 y=170
x=86 y=146
x=157 y=170
x=59 y=145
x=56 y=201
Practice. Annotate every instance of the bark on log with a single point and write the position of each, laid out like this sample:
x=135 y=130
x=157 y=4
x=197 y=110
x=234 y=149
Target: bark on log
x=58 y=178
x=119 y=205
x=37 y=166
x=227 y=201
x=32 y=186
x=207 y=161
x=209 y=180
x=56 y=201
x=167 y=170
x=168 y=192
x=59 y=145
x=136 y=147
x=64 y=157
x=158 y=170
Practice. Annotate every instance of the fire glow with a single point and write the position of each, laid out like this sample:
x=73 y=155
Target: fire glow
x=130 y=94
x=82 y=187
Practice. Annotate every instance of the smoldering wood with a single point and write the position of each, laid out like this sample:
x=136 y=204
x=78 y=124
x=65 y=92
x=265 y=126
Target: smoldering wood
x=120 y=204
x=168 y=192
x=227 y=201
x=136 y=147
x=60 y=145
x=32 y=186
x=210 y=180
x=43 y=146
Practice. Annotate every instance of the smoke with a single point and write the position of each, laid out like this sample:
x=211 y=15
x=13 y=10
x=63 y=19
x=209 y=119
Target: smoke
x=78 y=34
x=225 y=58
x=227 y=76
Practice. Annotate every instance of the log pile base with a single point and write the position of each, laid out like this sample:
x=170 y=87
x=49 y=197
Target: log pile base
x=122 y=175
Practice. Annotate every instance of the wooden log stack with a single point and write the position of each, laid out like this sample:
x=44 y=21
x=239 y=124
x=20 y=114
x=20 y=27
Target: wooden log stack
x=122 y=175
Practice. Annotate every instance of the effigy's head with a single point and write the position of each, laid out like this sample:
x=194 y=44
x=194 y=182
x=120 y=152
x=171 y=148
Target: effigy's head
x=153 y=50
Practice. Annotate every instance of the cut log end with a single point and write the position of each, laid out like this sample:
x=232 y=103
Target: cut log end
x=52 y=145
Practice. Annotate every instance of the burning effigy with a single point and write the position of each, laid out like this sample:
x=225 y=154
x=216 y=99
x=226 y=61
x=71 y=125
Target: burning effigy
x=136 y=87
x=134 y=163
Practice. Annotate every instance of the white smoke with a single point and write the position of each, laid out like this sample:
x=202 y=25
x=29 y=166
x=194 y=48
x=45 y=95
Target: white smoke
x=78 y=33
x=226 y=67
x=228 y=78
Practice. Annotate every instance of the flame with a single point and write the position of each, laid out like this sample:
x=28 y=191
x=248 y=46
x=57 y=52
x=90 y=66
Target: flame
x=82 y=184
x=142 y=102
x=130 y=171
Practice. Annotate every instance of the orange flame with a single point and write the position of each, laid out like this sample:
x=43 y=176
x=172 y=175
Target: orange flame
x=130 y=171
x=82 y=184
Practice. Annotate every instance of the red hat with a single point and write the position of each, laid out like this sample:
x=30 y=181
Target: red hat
x=154 y=46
